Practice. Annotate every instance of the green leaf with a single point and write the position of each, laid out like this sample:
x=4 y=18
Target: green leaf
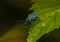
x=49 y=16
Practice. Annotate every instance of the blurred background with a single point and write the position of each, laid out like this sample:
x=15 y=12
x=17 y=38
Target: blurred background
x=12 y=16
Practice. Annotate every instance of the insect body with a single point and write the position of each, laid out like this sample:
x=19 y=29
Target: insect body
x=31 y=20
x=31 y=17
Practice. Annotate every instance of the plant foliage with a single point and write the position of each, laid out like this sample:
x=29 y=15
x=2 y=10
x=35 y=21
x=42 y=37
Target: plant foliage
x=49 y=18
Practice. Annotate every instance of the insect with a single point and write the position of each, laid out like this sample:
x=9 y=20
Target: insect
x=31 y=20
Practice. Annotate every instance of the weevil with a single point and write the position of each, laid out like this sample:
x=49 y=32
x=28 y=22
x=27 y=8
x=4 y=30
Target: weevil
x=31 y=20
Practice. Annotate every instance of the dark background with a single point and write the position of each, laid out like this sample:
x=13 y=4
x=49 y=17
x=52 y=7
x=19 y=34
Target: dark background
x=12 y=10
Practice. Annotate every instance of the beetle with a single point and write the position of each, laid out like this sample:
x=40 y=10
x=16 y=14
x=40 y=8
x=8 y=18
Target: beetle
x=31 y=20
